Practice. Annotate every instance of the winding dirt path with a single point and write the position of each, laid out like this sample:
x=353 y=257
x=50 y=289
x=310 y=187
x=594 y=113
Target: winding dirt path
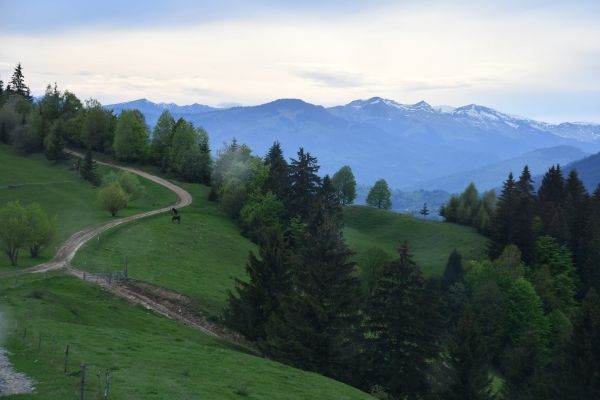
x=159 y=301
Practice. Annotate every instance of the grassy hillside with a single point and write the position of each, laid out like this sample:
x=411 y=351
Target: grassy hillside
x=199 y=257
x=62 y=193
x=150 y=357
x=431 y=242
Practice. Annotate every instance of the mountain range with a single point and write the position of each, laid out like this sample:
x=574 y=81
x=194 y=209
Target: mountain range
x=410 y=145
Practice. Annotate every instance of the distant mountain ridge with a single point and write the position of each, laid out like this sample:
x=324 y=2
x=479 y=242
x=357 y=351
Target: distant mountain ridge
x=407 y=144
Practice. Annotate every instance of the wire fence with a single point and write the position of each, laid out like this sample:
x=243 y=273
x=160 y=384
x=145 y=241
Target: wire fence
x=86 y=380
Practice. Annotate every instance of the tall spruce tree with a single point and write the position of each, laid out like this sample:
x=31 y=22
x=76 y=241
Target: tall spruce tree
x=551 y=201
x=402 y=325
x=524 y=215
x=453 y=272
x=590 y=269
x=54 y=142
x=578 y=376
x=316 y=327
x=278 y=180
x=304 y=184
x=502 y=227
x=469 y=362
x=88 y=169
x=17 y=83
x=258 y=299
x=577 y=209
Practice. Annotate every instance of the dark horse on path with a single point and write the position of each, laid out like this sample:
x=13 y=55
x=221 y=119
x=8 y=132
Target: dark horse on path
x=176 y=217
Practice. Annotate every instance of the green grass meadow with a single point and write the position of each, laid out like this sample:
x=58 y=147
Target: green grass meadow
x=149 y=356
x=430 y=242
x=200 y=257
x=62 y=193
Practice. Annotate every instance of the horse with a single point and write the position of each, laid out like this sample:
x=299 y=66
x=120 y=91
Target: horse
x=174 y=211
x=176 y=218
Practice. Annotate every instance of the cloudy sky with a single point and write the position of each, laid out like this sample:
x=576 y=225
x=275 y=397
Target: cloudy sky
x=540 y=59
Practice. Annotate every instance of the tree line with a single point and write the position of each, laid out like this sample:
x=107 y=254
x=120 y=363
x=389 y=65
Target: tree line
x=60 y=119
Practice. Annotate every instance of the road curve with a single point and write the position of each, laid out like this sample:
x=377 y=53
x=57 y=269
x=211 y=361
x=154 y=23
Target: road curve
x=69 y=248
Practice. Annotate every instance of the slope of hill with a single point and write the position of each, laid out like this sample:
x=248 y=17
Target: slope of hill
x=492 y=176
x=407 y=144
x=588 y=170
x=62 y=193
x=431 y=242
x=147 y=355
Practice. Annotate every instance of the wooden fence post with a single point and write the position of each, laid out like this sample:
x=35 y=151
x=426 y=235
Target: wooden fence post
x=66 y=358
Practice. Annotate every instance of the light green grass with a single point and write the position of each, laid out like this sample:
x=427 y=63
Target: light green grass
x=150 y=357
x=199 y=257
x=62 y=193
x=430 y=242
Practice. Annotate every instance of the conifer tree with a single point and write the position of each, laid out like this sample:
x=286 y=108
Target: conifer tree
x=17 y=84
x=469 y=362
x=551 y=200
x=402 y=325
x=424 y=210
x=259 y=298
x=577 y=209
x=317 y=323
x=502 y=227
x=590 y=269
x=524 y=215
x=579 y=373
x=278 y=180
x=88 y=169
x=454 y=269
x=54 y=143
x=304 y=184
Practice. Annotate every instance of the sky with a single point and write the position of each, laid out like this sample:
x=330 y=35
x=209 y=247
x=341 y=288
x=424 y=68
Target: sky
x=539 y=59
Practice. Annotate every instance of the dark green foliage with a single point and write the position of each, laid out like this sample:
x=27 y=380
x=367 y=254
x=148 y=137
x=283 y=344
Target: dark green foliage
x=577 y=210
x=318 y=320
x=54 y=143
x=131 y=136
x=503 y=228
x=454 y=269
x=304 y=184
x=402 y=324
x=524 y=215
x=380 y=196
x=578 y=375
x=424 y=210
x=278 y=180
x=470 y=366
x=345 y=185
x=162 y=136
x=372 y=263
x=88 y=169
x=470 y=209
x=17 y=84
x=259 y=298
x=97 y=130
x=551 y=201
x=260 y=214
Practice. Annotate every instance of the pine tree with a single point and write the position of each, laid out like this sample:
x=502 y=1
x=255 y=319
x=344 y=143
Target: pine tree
x=258 y=299
x=17 y=83
x=502 y=227
x=551 y=200
x=579 y=373
x=424 y=210
x=402 y=325
x=304 y=184
x=278 y=180
x=54 y=143
x=326 y=205
x=524 y=215
x=590 y=269
x=453 y=272
x=317 y=323
x=88 y=169
x=469 y=362
x=577 y=210
x=380 y=195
